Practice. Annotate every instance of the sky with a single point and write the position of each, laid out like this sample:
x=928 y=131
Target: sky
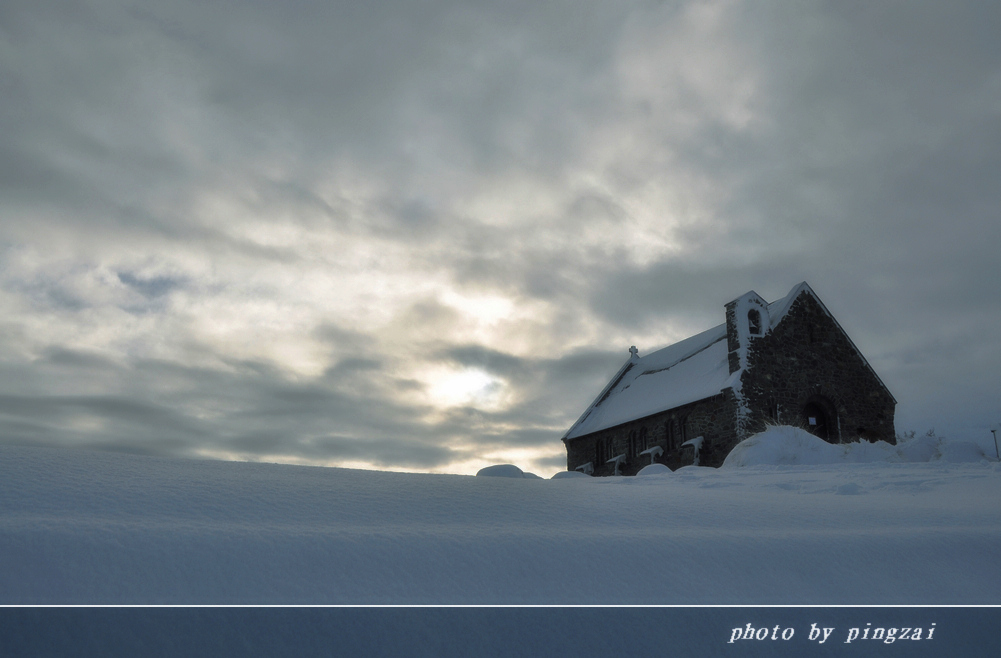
x=422 y=236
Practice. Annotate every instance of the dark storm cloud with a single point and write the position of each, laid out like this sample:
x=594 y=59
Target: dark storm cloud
x=506 y=365
x=126 y=411
x=60 y=356
x=182 y=182
x=253 y=411
x=151 y=287
x=250 y=412
x=875 y=182
x=328 y=69
x=57 y=290
x=546 y=373
x=691 y=295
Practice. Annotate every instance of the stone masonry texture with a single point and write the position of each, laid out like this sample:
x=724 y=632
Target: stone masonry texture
x=806 y=362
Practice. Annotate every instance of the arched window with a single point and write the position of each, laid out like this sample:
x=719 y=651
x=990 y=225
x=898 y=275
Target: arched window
x=754 y=322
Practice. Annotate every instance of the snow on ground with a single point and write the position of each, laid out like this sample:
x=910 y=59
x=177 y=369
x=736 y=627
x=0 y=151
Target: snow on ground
x=791 y=445
x=88 y=527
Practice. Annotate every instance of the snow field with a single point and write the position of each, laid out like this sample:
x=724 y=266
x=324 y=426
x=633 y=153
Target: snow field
x=88 y=527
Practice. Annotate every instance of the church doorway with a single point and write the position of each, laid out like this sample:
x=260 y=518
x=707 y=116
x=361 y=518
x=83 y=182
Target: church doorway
x=819 y=419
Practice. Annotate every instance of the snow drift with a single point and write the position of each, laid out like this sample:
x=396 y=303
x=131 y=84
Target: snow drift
x=784 y=445
x=501 y=471
x=80 y=527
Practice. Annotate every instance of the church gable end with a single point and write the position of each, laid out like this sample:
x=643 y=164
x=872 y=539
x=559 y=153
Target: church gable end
x=806 y=371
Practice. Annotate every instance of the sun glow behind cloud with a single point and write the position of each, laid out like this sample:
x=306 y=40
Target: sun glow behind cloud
x=467 y=387
x=421 y=239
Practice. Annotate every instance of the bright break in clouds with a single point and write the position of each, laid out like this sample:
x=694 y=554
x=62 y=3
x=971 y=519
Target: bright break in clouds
x=421 y=236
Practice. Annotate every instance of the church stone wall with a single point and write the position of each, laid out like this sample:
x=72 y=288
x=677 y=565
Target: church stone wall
x=711 y=419
x=807 y=357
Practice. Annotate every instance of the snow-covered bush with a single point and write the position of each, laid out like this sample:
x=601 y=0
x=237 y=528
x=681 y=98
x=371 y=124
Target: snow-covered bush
x=654 y=469
x=501 y=471
x=564 y=475
x=506 y=471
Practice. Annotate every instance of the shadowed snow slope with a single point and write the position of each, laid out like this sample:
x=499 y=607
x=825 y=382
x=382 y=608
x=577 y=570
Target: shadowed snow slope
x=793 y=446
x=84 y=527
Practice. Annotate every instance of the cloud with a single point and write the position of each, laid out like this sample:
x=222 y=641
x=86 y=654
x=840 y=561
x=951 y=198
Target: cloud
x=244 y=231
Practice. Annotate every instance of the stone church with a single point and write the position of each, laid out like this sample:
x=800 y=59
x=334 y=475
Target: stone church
x=784 y=363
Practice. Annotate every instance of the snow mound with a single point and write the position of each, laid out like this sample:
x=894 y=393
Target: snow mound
x=962 y=451
x=655 y=469
x=564 y=475
x=785 y=445
x=921 y=449
x=501 y=471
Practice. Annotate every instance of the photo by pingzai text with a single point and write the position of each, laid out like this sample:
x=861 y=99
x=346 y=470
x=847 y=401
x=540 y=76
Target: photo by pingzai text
x=821 y=634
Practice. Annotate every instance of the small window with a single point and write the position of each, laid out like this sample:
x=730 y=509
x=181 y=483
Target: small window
x=754 y=322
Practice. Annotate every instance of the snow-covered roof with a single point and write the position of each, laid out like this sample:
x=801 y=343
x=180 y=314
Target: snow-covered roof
x=687 y=371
